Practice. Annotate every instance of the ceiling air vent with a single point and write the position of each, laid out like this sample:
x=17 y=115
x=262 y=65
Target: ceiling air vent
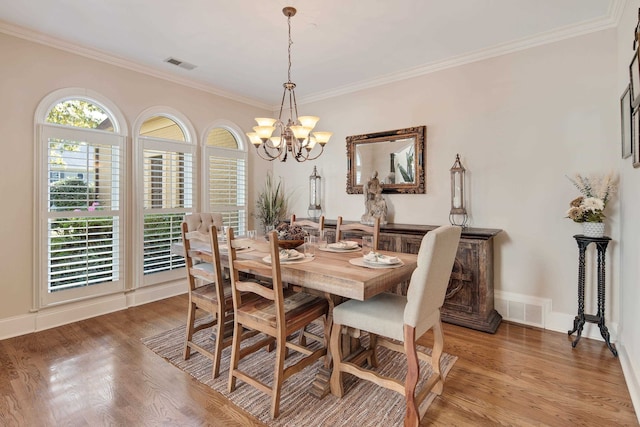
x=180 y=64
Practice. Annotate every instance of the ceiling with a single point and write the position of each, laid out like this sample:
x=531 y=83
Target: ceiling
x=239 y=47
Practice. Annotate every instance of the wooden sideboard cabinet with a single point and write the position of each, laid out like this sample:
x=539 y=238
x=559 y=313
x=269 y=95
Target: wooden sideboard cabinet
x=469 y=298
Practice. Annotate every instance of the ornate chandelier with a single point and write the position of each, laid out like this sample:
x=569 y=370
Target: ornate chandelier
x=295 y=136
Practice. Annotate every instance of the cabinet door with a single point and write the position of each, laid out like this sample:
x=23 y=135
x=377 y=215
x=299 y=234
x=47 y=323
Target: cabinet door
x=462 y=293
x=388 y=242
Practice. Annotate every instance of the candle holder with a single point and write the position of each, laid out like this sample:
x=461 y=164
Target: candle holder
x=458 y=214
x=315 y=181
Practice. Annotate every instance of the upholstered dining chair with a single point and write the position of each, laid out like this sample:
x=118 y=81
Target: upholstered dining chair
x=307 y=223
x=390 y=317
x=277 y=313
x=343 y=229
x=201 y=221
x=209 y=292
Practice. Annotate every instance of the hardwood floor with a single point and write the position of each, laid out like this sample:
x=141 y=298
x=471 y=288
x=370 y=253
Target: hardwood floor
x=97 y=372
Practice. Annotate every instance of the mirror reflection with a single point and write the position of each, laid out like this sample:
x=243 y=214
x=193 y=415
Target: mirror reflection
x=397 y=156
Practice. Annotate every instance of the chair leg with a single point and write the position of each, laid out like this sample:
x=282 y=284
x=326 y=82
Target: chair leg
x=235 y=353
x=336 y=354
x=191 y=318
x=217 y=353
x=302 y=340
x=436 y=353
x=281 y=354
x=412 y=416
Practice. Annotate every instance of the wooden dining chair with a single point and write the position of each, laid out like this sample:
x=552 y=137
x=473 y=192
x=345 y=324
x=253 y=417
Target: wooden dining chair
x=307 y=223
x=343 y=229
x=405 y=319
x=208 y=292
x=277 y=313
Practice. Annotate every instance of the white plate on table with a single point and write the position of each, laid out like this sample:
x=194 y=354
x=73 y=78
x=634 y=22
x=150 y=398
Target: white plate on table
x=328 y=249
x=224 y=249
x=360 y=262
x=286 y=255
x=344 y=245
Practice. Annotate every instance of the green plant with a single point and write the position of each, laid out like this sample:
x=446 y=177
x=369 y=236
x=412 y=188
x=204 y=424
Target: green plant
x=407 y=174
x=596 y=192
x=71 y=193
x=271 y=206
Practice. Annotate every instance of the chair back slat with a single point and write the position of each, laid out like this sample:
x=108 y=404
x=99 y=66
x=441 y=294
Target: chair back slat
x=305 y=223
x=275 y=293
x=356 y=226
x=430 y=279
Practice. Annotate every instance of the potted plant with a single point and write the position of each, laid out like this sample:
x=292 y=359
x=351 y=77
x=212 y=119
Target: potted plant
x=588 y=209
x=271 y=206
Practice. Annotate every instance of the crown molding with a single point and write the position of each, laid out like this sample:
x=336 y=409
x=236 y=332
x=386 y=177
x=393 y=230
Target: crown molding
x=610 y=20
x=37 y=37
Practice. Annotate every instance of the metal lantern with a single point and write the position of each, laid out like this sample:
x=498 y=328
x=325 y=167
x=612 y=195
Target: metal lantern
x=315 y=190
x=458 y=213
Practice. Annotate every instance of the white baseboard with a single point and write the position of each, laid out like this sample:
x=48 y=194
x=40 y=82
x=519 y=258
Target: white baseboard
x=534 y=311
x=68 y=313
x=155 y=293
x=631 y=376
x=523 y=309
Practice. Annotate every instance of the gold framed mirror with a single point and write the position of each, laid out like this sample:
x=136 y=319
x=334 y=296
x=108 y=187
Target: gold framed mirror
x=398 y=157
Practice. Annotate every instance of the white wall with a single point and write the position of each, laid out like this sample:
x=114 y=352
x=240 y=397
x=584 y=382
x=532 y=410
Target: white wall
x=629 y=333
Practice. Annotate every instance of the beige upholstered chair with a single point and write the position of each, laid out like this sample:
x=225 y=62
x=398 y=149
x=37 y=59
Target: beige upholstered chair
x=343 y=229
x=209 y=292
x=403 y=319
x=306 y=223
x=277 y=314
x=201 y=221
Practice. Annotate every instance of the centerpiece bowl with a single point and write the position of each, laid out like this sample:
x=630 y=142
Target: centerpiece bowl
x=290 y=237
x=290 y=244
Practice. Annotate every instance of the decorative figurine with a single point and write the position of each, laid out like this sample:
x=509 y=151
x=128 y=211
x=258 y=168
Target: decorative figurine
x=375 y=205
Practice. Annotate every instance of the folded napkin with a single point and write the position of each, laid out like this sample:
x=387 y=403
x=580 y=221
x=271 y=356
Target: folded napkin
x=289 y=254
x=377 y=258
x=344 y=244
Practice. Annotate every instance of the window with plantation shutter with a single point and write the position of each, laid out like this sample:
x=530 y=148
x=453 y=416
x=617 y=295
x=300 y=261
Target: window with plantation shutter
x=166 y=174
x=80 y=187
x=226 y=174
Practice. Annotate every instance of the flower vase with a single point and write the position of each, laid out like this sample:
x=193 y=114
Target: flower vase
x=593 y=229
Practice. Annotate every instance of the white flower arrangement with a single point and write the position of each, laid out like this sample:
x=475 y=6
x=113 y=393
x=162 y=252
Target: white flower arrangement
x=596 y=191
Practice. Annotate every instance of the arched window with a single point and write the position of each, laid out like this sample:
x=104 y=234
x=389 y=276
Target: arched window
x=80 y=188
x=165 y=171
x=225 y=175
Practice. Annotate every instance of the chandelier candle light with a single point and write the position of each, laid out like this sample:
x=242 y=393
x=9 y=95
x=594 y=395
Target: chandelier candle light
x=295 y=136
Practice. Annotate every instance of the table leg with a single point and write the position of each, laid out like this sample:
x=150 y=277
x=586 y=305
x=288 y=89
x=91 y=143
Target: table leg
x=320 y=386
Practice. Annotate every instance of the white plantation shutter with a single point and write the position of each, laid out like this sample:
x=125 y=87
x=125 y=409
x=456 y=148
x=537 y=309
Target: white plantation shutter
x=168 y=196
x=166 y=177
x=81 y=187
x=226 y=186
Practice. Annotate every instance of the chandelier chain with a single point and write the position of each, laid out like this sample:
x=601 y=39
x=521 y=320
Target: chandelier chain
x=289 y=49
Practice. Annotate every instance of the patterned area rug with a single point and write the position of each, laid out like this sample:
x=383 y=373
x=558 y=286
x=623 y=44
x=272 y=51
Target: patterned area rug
x=363 y=404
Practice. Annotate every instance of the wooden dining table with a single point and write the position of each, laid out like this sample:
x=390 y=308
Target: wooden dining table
x=329 y=274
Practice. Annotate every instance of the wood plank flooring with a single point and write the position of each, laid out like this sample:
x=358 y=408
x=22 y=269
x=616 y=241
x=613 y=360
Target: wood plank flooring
x=97 y=372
